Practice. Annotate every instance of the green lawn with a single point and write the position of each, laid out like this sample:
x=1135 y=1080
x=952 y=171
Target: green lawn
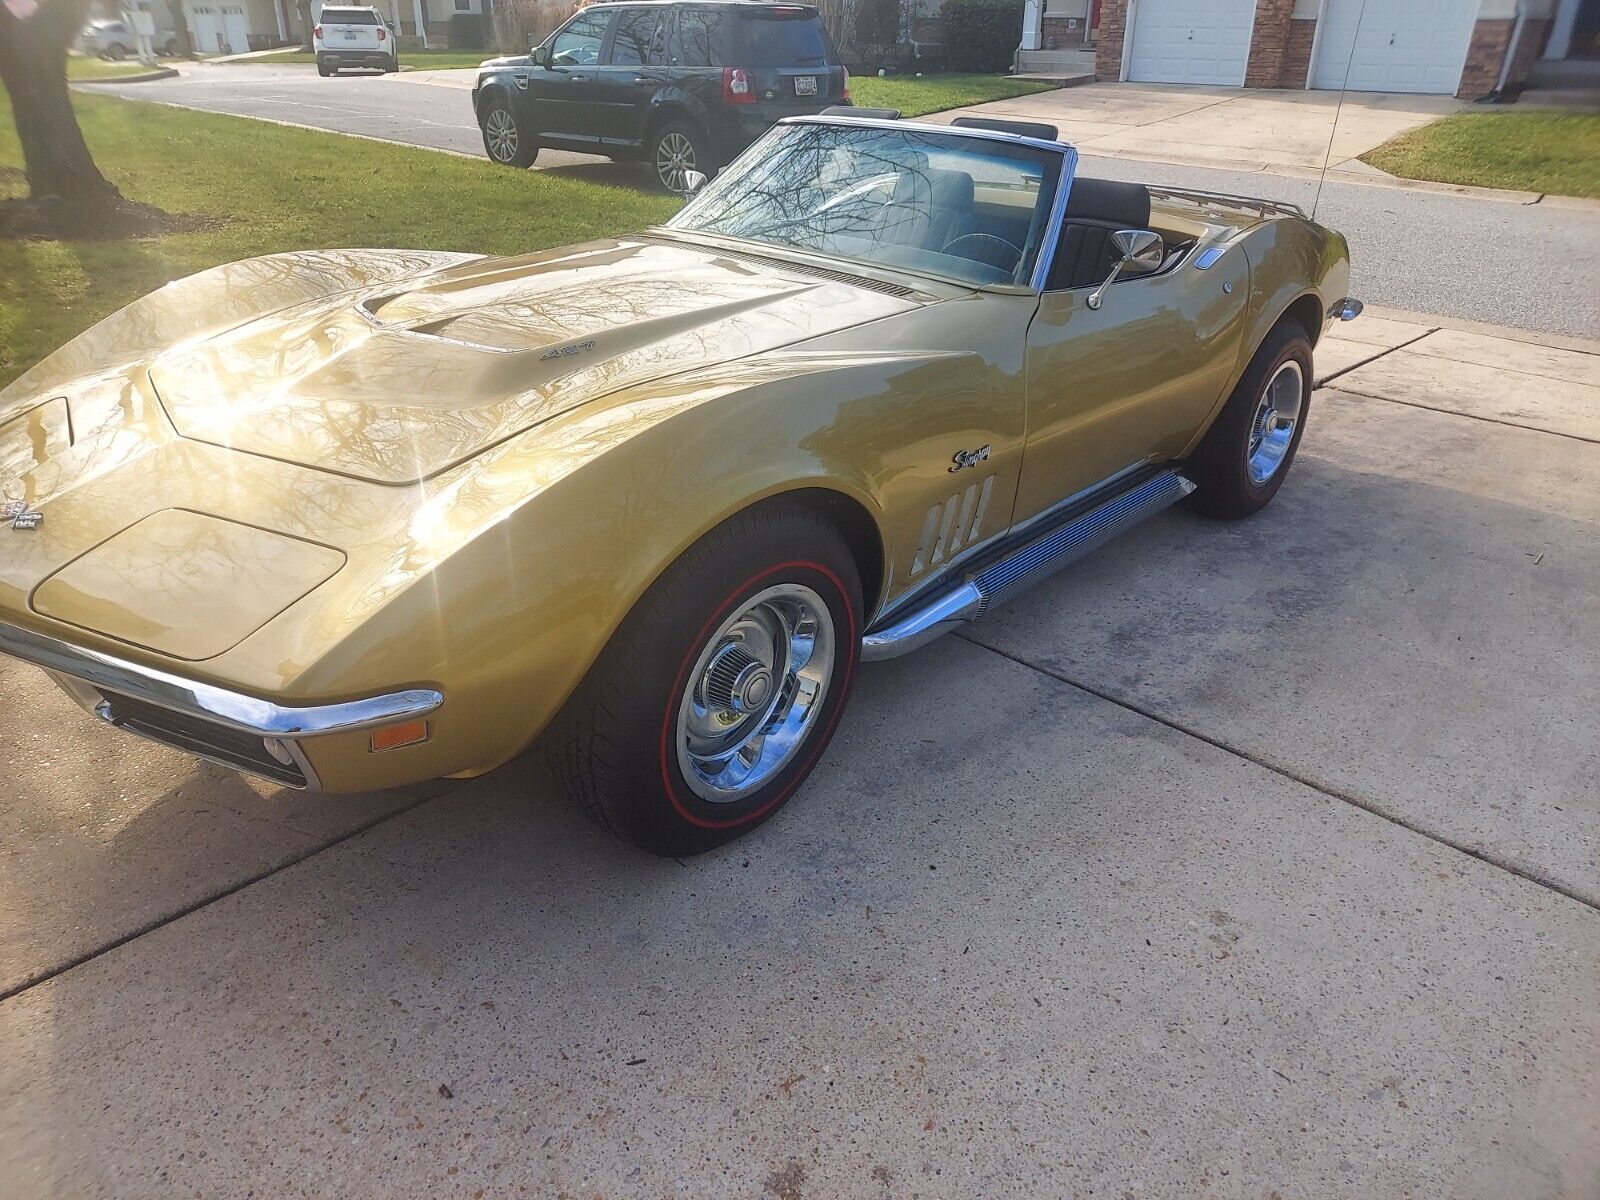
x=1536 y=150
x=935 y=93
x=80 y=66
x=274 y=188
x=422 y=60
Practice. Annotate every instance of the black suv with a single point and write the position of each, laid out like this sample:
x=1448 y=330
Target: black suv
x=682 y=85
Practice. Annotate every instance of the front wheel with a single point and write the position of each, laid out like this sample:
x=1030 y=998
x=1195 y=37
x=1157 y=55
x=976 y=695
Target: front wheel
x=676 y=149
x=505 y=139
x=1248 y=450
x=720 y=691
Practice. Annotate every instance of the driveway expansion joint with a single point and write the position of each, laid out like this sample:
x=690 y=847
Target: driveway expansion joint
x=1541 y=880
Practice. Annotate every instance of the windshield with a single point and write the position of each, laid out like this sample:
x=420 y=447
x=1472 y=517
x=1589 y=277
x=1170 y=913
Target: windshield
x=963 y=207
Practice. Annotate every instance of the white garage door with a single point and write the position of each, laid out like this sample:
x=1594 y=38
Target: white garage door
x=1418 y=46
x=1190 y=41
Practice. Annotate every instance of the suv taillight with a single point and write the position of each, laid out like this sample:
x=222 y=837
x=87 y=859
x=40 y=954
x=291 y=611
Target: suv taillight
x=382 y=33
x=736 y=86
x=317 y=32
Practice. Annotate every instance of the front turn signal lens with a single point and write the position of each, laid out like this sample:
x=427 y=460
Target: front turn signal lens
x=392 y=737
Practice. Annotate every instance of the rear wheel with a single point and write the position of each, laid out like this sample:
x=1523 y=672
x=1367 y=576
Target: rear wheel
x=719 y=693
x=393 y=65
x=116 y=52
x=504 y=137
x=676 y=149
x=1245 y=455
x=325 y=68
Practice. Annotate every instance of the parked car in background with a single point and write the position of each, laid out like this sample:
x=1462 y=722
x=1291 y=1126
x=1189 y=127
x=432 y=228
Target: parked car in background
x=347 y=36
x=682 y=86
x=116 y=41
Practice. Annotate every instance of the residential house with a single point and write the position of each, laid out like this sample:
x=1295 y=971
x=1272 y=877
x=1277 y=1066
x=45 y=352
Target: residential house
x=1467 y=48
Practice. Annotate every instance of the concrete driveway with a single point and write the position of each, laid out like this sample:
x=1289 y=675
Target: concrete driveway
x=1226 y=127
x=1242 y=860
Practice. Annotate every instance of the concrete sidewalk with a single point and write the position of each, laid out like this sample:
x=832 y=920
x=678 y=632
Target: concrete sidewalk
x=1241 y=858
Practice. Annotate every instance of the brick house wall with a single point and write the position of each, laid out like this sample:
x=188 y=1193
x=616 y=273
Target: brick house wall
x=1490 y=40
x=1063 y=33
x=1297 y=54
x=1108 y=41
x=1264 y=67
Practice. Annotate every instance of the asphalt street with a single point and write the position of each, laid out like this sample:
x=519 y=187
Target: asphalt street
x=1526 y=266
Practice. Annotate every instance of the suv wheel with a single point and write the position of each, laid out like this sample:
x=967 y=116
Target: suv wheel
x=505 y=138
x=324 y=68
x=676 y=149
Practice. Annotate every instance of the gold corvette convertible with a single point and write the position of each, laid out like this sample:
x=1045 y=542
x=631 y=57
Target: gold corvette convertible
x=354 y=518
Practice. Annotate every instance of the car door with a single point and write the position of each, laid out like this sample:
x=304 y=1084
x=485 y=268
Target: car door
x=1129 y=383
x=561 y=89
x=631 y=71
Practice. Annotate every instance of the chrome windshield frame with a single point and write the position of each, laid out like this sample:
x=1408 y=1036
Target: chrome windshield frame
x=1052 y=230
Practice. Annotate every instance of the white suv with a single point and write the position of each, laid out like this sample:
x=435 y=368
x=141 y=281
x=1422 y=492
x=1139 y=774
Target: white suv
x=353 y=37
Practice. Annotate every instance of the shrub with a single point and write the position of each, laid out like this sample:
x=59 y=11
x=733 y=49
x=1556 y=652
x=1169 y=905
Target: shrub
x=521 y=24
x=466 y=31
x=877 y=31
x=981 y=35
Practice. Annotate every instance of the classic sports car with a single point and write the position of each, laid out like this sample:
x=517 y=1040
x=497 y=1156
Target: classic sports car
x=349 y=519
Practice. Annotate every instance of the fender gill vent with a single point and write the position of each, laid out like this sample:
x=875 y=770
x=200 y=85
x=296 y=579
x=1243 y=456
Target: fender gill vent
x=952 y=525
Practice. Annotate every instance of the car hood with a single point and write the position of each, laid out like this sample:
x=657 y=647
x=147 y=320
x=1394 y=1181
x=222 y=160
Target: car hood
x=396 y=385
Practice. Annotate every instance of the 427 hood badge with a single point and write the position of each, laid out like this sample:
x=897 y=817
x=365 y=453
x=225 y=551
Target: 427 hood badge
x=20 y=515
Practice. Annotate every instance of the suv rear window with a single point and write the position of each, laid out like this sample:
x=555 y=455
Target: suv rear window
x=778 y=37
x=348 y=16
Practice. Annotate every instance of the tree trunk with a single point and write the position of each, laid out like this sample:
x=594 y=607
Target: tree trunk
x=306 y=25
x=180 y=30
x=33 y=67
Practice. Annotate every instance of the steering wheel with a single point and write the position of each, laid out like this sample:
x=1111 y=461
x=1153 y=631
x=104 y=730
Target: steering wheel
x=987 y=249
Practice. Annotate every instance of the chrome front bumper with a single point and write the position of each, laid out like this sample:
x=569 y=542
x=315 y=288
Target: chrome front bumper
x=201 y=719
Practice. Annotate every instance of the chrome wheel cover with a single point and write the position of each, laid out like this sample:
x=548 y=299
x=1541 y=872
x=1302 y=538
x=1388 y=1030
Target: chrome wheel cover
x=1277 y=415
x=754 y=693
x=674 y=159
x=500 y=130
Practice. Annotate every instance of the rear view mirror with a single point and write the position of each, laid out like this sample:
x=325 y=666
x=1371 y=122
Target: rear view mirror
x=1139 y=252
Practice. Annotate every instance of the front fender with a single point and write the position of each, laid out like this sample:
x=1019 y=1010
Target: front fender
x=521 y=597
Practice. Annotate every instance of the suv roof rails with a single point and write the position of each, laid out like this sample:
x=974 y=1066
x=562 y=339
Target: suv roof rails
x=850 y=110
x=1032 y=129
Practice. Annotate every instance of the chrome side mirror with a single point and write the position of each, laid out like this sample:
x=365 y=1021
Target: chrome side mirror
x=693 y=181
x=1139 y=252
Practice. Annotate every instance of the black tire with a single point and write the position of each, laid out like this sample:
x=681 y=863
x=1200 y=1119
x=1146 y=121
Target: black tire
x=1226 y=487
x=324 y=69
x=392 y=66
x=619 y=746
x=518 y=147
x=116 y=52
x=170 y=50
x=671 y=142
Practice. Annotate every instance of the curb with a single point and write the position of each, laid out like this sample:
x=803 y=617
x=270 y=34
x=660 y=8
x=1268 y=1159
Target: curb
x=1531 y=337
x=148 y=76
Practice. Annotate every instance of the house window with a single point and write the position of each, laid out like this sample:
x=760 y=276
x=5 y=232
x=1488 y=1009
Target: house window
x=463 y=5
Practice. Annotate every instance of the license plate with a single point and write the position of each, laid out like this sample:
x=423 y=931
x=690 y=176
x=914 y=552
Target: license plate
x=349 y=35
x=805 y=85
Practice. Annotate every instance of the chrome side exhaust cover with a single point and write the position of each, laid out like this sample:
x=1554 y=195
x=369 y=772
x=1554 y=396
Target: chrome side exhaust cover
x=1025 y=566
